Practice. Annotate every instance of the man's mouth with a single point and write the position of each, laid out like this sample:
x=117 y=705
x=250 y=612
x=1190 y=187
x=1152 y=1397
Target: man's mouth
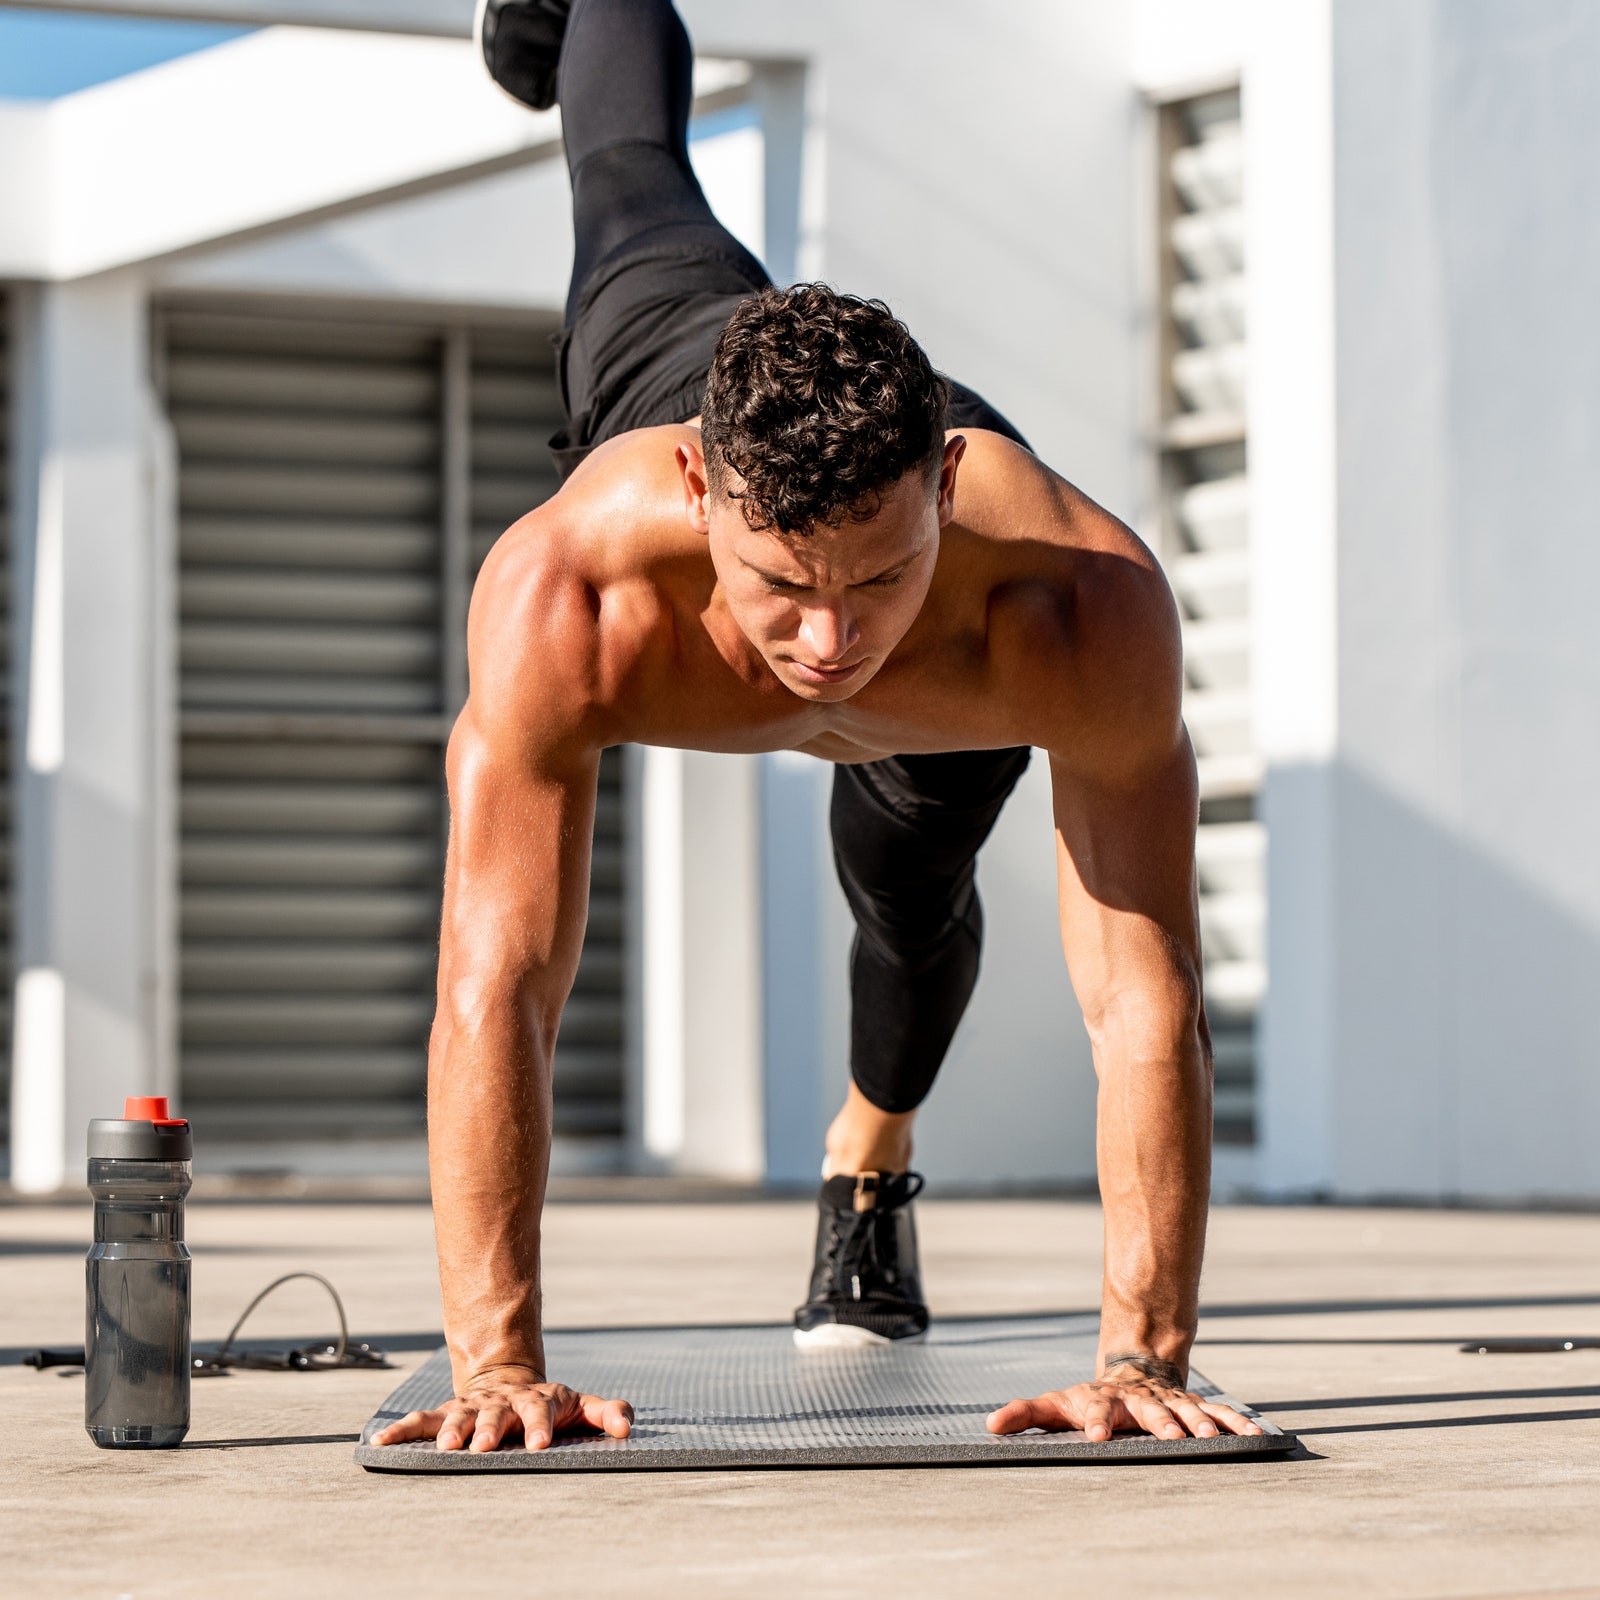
x=809 y=674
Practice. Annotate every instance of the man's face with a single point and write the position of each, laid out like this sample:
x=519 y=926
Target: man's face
x=826 y=608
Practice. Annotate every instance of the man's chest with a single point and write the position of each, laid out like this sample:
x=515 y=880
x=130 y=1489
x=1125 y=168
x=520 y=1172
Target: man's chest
x=943 y=700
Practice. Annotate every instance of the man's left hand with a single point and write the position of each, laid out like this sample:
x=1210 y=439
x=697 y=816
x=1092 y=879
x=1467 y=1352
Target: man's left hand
x=1125 y=1400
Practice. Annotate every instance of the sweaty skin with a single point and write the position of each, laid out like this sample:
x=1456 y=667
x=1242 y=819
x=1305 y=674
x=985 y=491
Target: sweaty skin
x=990 y=607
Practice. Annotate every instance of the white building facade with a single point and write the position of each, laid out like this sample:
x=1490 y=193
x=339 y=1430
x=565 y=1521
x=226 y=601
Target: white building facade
x=1297 y=290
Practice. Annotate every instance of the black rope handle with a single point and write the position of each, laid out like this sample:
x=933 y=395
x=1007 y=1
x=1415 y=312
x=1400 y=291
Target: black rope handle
x=338 y=1305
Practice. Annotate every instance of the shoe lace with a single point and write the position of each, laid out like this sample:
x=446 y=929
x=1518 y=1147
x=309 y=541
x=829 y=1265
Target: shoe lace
x=862 y=1245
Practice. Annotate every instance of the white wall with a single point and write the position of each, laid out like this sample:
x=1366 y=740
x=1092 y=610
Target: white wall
x=251 y=136
x=503 y=241
x=1456 y=803
x=89 y=841
x=976 y=173
x=25 y=186
x=1182 y=47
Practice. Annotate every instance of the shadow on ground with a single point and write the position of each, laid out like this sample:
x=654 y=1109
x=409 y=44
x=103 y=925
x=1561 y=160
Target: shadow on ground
x=259 y=1444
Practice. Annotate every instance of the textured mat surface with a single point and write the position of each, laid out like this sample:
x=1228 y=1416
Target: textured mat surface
x=745 y=1397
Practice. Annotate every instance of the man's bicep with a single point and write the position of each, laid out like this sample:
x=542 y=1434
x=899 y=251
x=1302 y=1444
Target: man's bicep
x=517 y=869
x=522 y=769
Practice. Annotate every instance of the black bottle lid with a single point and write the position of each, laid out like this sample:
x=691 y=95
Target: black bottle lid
x=144 y=1132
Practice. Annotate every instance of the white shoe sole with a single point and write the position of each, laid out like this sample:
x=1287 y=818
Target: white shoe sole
x=845 y=1336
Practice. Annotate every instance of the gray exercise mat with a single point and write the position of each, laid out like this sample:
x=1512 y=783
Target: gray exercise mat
x=746 y=1397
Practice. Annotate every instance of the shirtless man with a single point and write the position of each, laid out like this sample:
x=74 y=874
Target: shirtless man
x=782 y=530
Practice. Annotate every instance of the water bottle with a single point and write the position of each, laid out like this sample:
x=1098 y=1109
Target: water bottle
x=136 y=1348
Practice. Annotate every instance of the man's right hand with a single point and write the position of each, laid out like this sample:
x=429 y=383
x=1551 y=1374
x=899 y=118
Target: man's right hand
x=506 y=1401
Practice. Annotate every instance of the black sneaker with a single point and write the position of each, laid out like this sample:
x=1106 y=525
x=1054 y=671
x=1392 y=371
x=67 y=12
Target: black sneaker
x=866 y=1286
x=521 y=44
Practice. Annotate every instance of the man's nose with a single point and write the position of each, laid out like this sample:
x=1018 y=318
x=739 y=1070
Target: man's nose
x=829 y=632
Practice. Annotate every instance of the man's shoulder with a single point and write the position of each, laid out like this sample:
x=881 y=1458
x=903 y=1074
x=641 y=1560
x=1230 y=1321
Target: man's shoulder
x=1077 y=577
x=615 y=520
x=1081 y=616
x=569 y=598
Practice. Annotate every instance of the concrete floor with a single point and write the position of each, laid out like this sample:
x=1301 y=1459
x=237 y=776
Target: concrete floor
x=1426 y=1473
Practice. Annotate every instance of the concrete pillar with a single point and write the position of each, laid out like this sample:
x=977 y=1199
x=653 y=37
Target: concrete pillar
x=806 y=1016
x=1293 y=517
x=1469 y=403
x=700 y=1096
x=1424 y=402
x=780 y=96
x=89 y=724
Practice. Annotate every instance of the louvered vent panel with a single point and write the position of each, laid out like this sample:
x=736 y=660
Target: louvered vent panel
x=514 y=410
x=1207 y=553
x=5 y=713
x=316 y=549
x=309 y=590
x=310 y=517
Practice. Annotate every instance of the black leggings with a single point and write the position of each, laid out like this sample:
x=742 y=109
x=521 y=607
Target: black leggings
x=654 y=278
x=906 y=833
x=625 y=87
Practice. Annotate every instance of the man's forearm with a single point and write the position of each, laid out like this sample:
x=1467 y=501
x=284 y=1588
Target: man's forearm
x=1154 y=1135
x=489 y=1124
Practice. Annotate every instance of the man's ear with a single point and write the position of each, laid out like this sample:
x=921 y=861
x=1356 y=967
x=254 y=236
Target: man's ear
x=954 y=448
x=696 y=490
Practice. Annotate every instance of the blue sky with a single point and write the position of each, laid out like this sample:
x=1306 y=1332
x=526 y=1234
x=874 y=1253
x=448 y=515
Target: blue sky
x=44 y=54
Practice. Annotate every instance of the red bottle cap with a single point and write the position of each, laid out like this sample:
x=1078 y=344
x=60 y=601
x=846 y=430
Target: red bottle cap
x=150 y=1108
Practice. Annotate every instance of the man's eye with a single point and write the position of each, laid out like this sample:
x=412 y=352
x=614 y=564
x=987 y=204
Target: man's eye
x=888 y=581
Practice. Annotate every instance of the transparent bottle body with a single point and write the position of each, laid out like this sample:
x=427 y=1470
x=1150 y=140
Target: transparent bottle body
x=136 y=1342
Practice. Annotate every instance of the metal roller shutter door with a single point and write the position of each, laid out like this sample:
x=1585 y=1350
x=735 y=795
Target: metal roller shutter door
x=339 y=483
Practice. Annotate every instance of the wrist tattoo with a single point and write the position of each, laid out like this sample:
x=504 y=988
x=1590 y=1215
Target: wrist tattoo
x=1152 y=1367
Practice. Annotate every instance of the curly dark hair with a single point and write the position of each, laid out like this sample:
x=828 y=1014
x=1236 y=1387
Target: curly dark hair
x=819 y=402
